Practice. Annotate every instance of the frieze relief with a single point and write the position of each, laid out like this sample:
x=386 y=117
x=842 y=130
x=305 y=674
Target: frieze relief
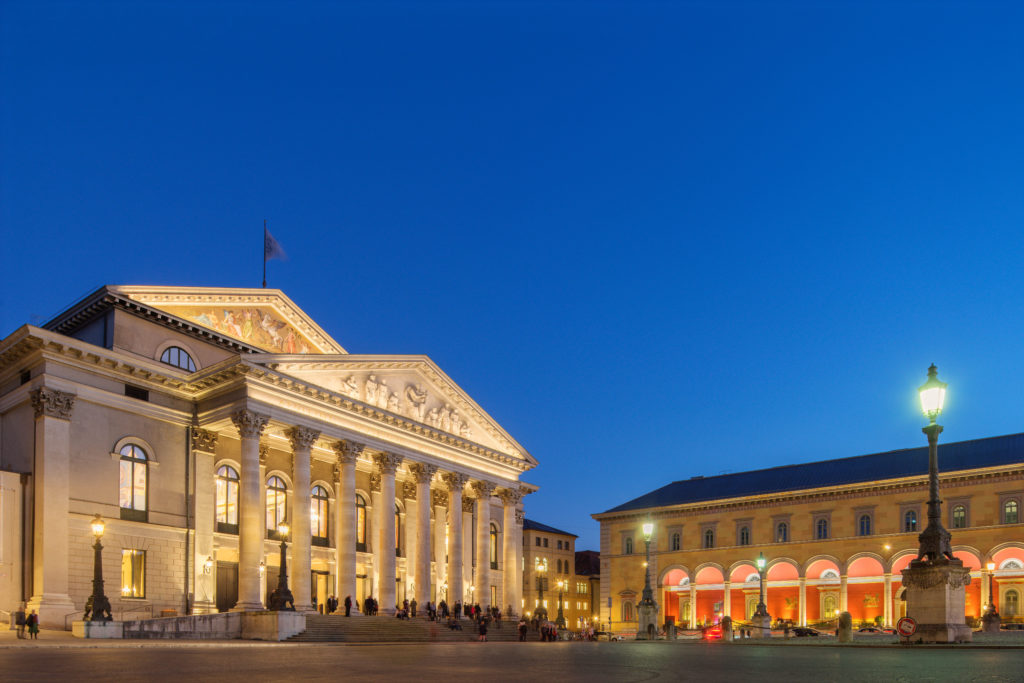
x=954 y=577
x=52 y=403
x=203 y=440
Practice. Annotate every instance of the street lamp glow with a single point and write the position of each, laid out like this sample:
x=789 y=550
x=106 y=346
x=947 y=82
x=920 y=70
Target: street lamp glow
x=933 y=395
x=283 y=530
x=648 y=530
x=991 y=566
x=760 y=561
x=97 y=526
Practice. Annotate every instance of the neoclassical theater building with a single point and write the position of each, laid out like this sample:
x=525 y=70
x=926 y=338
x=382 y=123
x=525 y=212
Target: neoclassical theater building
x=835 y=536
x=198 y=421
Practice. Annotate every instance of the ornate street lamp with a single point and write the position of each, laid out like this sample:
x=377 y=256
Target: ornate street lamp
x=98 y=606
x=648 y=596
x=647 y=609
x=991 y=567
x=934 y=540
x=541 y=613
x=560 y=619
x=762 y=608
x=281 y=599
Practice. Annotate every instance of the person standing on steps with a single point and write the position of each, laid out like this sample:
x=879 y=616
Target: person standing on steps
x=483 y=630
x=348 y=605
x=32 y=621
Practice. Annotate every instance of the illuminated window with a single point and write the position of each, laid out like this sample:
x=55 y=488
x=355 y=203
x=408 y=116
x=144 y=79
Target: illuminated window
x=319 y=515
x=676 y=541
x=910 y=520
x=494 y=547
x=1011 y=512
x=227 y=500
x=744 y=535
x=781 y=532
x=821 y=529
x=1011 y=603
x=959 y=517
x=133 y=482
x=277 y=505
x=133 y=573
x=361 y=524
x=864 y=525
x=709 y=538
x=179 y=358
x=627 y=611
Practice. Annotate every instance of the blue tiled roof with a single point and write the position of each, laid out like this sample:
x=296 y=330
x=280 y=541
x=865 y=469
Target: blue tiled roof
x=529 y=524
x=909 y=462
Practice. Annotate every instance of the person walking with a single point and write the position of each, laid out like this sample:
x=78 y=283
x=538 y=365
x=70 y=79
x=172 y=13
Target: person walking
x=32 y=621
x=19 y=620
x=522 y=630
x=348 y=605
x=483 y=630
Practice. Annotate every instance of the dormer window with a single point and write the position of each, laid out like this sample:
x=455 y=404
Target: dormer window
x=178 y=357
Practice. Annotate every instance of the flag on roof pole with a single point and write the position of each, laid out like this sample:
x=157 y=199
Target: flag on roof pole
x=271 y=250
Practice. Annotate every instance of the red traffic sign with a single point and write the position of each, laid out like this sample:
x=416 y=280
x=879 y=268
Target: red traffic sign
x=906 y=627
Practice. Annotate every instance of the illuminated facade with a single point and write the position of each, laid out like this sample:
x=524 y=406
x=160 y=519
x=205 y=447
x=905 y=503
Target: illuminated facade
x=198 y=421
x=836 y=535
x=550 y=557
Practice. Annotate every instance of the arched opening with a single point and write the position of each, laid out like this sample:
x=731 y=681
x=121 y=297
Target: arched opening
x=865 y=590
x=710 y=585
x=226 y=503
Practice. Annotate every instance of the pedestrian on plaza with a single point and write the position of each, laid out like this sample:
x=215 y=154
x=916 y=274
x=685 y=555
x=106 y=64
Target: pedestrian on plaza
x=413 y=606
x=483 y=630
x=457 y=610
x=19 y=620
x=348 y=605
x=522 y=630
x=32 y=621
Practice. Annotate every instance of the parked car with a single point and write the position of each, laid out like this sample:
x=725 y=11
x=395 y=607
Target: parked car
x=713 y=633
x=803 y=631
x=869 y=629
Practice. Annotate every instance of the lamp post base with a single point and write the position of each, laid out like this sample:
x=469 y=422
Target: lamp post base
x=647 y=616
x=762 y=626
x=936 y=600
x=990 y=622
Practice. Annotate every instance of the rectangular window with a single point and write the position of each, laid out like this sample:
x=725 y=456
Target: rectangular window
x=136 y=392
x=559 y=545
x=545 y=543
x=537 y=541
x=133 y=573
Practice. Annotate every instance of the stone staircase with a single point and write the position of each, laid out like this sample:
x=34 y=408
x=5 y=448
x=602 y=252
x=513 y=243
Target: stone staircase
x=321 y=628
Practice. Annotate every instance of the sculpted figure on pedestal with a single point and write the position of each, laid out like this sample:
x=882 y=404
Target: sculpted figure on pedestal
x=434 y=418
x=445 y=419
x=370 y=390
x=393 y=404
x=417 y=399
x=383 y=391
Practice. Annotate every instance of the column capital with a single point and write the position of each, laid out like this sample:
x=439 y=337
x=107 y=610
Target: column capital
x=203 y=440
x=438 y=498
x=348 y=451
x=302 y=438
x=483 y=489
x=249 y=424
x=468 y=503
x=454 y=481
x=52 y=403
x=510 y=496
x=422 y=472
x=387 y=463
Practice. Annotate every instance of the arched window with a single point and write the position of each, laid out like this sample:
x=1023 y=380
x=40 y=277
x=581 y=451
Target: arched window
x=959 y=517
x=319 y=515
x=910 y=520
x=494 y=546
x=277 y=505
x=821 y=529
x=781 y=532
x=676 y=541
x=1011 y=603
x=629 y=545
x=360 y=524
x=1011 y=512
x=627 y=610
x=178 y=357
x=134 y=480
x=709 y=538
x=744 y=535
x=864 y=525
x=398 y=531
x=227 y=500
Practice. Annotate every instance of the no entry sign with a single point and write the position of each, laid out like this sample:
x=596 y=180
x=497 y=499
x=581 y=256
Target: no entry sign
x=906 y=627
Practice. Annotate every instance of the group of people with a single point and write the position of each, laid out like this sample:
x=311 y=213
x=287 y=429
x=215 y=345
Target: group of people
x=29 y=622
x=332 y=605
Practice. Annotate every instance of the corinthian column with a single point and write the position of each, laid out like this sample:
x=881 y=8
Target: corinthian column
x=387 y=464
x=455 y=483
x=421 y=572
x=302 y=439
x=483 y=490
x=512 y=576
x=439 y=499
x=345 y=542
x=250 y=532
x=51 y=492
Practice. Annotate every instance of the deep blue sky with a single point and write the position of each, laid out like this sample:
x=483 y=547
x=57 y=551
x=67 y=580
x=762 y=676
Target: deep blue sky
x=653 y=240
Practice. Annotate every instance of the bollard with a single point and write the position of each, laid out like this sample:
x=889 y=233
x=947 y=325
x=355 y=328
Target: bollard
x=845 y=628
x=727 y=629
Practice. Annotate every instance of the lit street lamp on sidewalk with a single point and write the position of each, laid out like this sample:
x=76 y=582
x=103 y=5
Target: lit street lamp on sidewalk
x=98 y=606
x=647 y=610
x=541 y=613
x=761 y=620
x=560 y=619
x=991 y=620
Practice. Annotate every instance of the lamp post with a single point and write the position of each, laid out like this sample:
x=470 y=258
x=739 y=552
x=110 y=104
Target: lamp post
x=648 y=595
x=762 y=608
x=281 y=599
x=541 y=613
x=647 y=610
x=98 y=608
x=991 y=567
x=560 y=619
x=934 y=540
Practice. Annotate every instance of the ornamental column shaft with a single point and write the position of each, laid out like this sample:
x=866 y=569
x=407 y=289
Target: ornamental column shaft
x=483 y=542
x=455 y=483
x=843 y=580
x=512 y=577
x=302 y=440
x=345 y=543
x=802 y=614
x=250 y=523
x=51 y=471
x=387 y=465
x=887 y=619
x=439 y=499
x=727 y=603
x=423 y=475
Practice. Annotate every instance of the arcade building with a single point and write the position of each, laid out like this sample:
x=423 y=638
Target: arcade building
x=835 y=535
x=200 y=423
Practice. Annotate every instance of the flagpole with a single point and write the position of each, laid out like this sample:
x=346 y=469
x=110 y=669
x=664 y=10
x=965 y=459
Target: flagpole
x=264 y=253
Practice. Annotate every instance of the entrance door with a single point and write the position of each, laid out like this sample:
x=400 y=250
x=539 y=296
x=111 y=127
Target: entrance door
x=227 y=585
x=271 y=576
x=318 y=582
x=362 y=588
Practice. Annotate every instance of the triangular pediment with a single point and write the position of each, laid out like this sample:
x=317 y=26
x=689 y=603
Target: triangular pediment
x=412 y=387
x=262 y=318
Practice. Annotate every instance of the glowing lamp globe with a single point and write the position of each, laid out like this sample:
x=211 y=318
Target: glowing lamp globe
x=760 y=561
x=991 y=566
x=933 y=394
x=648 y=530
x=97 y=526
x=283 y=530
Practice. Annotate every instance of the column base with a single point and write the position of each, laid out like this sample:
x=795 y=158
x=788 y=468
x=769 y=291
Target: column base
x=52 y=609
x=204 y=607
x=647 y=626
x=248 y=607
x=936 y=600
x=990 y=623
x=762 y=627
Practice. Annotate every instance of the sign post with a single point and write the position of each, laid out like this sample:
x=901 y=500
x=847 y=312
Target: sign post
x=906 y=627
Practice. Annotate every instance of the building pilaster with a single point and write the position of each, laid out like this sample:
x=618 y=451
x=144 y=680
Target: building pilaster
x=843 y=592
x=802 y=609
x=512 y=535
x=204 y=586
x=887 y=604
